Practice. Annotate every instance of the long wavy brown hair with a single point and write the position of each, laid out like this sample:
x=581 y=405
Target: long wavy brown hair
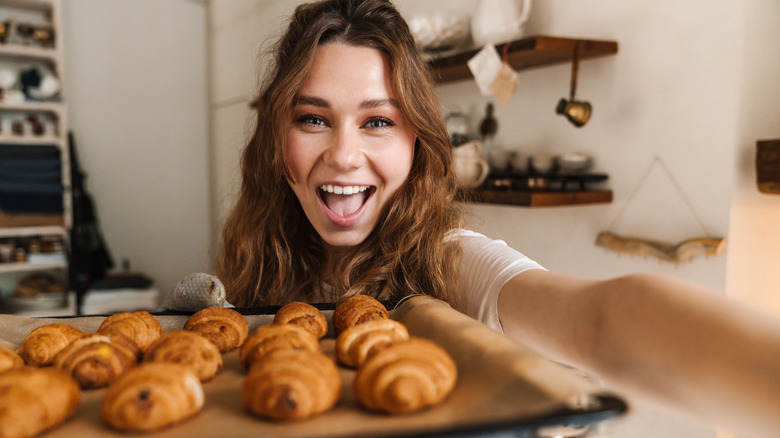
x=270 y=254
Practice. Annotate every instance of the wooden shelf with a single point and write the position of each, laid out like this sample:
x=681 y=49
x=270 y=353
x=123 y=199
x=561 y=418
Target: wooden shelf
x=535 y=51
x=30 y=267
x=33 y=231
x=47 y=107
x=21 y=52
x=32 y=140
x=537 y=198
x=33 y=5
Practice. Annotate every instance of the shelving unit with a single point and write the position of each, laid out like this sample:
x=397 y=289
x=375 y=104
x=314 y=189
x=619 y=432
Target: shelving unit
x=19 y=51
x=525 y=53
x=529 y=198
x=522 y=54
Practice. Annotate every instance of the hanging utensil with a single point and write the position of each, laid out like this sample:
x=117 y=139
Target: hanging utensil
x=577 y=112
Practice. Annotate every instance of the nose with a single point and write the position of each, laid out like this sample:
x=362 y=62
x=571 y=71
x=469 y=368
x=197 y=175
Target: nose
x=344 y=151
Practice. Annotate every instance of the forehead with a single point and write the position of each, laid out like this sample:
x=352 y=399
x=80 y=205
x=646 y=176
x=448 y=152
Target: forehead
x=344 y=70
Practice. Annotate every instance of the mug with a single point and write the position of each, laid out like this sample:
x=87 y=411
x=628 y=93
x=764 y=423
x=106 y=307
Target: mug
x=470 y=166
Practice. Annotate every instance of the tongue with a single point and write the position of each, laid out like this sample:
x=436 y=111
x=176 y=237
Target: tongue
x=343 y=205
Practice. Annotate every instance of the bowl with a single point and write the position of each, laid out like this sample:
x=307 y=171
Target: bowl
x=574 y=162
x=440 y=31
x=542 y=163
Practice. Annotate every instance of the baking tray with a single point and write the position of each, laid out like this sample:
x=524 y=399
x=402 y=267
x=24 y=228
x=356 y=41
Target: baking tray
x=502 y=386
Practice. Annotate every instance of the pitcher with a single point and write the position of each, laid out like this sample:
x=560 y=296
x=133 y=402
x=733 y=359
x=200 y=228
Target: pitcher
x=498 y=21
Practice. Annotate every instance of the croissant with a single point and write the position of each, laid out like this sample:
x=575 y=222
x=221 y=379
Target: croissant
x=291 y=385
x=405 y=377
x=270 y=337
x=152 y=396
x=187 y=348
x=33 y=400
x=355 y=344
x=304 y=315
x=355 y=310
x=9 y=359
x=96 y=360
x=142 y=327
x=44 y=342
x=223 y=326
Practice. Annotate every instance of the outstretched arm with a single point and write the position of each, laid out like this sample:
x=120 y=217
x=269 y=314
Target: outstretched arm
x=657 y=338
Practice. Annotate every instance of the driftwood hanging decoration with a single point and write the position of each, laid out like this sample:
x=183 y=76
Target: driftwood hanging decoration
x=682 y=252
x=675 y=253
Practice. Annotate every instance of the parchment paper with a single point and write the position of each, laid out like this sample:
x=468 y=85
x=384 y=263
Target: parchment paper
x=498 y=380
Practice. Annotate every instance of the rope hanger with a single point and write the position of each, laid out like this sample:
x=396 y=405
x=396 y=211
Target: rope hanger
x=683 y=251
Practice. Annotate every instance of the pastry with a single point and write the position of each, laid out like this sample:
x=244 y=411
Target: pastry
x=357 y=309
x=33 y=400
x=355 y=344
x=142 y=327
x=96 y=360
x=304 y=315
x=9 y=359
x=187 y=348
x=152 y=396
x=223 y=326
x=44 y=342
x=405 y=377
x=291 y=385
x=270 y=337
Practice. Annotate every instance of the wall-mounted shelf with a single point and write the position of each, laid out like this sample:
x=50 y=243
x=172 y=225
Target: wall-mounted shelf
x=530 y=52
x=529 y=198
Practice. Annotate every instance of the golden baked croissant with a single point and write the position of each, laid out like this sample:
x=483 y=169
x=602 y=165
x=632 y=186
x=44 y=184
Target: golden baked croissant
x=355 y=310
x=355 y=344
x=291 y=385
x=304 y=315
x=9 y=359
x=405 y=377
x=96 y=360
x=152 y=396
x=44 y=342
x=33 y=400
x=270 y=337
x=141 y=326
x=187 y=348
x=223 y=326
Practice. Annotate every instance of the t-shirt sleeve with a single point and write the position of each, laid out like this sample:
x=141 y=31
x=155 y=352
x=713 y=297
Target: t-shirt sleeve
x=486 y=266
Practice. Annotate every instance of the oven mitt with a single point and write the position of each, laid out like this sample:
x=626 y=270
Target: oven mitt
x=195 y=292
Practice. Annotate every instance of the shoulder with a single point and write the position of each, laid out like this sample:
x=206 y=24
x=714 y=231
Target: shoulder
x=471 y=241
x=462 y=234
x=482 y=254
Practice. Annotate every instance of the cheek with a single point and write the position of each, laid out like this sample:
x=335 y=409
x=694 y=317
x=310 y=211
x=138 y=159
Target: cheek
x=398 y=163
x=295 y=159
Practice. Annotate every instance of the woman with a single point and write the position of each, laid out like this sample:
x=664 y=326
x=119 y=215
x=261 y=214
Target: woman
x=347 y=189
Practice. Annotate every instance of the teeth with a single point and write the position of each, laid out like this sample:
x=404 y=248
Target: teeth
x=343 y=190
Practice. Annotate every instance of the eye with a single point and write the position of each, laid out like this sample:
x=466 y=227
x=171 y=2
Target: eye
x=312 y=120
x=379 y=122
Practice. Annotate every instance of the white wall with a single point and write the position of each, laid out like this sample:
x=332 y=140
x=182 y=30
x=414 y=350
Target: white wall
x=652 y=99
x=136 y=91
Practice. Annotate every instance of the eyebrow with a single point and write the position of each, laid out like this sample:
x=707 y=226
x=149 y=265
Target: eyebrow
x=372 y=103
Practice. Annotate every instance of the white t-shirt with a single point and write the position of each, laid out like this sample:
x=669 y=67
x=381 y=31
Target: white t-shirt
x=485 y=268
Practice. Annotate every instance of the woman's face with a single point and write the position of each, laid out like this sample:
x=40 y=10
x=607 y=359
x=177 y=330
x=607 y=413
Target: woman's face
x=348 y=146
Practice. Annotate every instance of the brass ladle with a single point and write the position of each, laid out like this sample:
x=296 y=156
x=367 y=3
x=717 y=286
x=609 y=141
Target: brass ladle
x=577 y=112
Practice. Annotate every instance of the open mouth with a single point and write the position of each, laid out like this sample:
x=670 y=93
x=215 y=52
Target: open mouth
x=345 y=200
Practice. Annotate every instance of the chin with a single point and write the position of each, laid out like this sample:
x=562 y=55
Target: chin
x=344 y=239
